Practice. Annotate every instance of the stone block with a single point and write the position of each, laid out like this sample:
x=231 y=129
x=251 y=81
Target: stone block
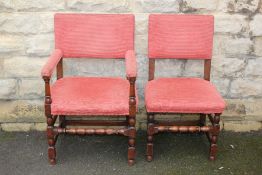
x=242 y=126
x=31 y=88
x=113 y=6
x=258 y=46
x=228 y=67
x=232 y=24
x=238 y=46
x=23 y=67
x=221 y=84
x=169 y=67
x=253 y=69
x=24 y=111
x=35 y=5
x=202 y=5
x=246 y=87
x=156 y=6
x=8 y=89
x=39 y=45
x=11 y=44
x=239 y=6
x=194 y=68
x=256 y=25
x=26 y=23
x=235 y=108
x=16 y=127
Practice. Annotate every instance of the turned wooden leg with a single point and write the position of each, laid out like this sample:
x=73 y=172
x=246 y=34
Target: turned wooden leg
x=127 y=119
x=51 y=140
x=62 y=121
x=150 y=133
x=213 y=137
x=202 y=120
x=131 y=140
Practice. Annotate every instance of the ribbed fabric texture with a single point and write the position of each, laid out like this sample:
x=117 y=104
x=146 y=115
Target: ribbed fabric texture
x=94 y=35
x=180 y=36
x=182 y=95
x=51 y=63
x=90 y=96
x=130 y=60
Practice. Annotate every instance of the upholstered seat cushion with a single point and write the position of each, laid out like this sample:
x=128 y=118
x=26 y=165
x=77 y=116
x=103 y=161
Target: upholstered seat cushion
x=182 y=95
x=90 y=96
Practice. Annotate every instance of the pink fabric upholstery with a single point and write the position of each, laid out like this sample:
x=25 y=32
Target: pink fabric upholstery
x=52 y=61
x=182 y=95
x=130 y=63
x=180 y=36
x=94 y=35
x=90 y=96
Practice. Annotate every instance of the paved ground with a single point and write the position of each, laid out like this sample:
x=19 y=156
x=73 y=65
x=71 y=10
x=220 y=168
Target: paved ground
x=25 y=153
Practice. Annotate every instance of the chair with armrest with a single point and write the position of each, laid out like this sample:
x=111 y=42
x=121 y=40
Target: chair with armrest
x=91 y=36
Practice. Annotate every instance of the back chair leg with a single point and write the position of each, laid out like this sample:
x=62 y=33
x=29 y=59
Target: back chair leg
x=131 y=140
x=62 y=121
x=214 y=136
x=202 y=121
x=51 y=137
x=150 y=133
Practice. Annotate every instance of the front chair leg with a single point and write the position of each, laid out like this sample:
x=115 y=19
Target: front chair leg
x=214 y=136
x=131 y=140
x=150 y=129
x=51 y=140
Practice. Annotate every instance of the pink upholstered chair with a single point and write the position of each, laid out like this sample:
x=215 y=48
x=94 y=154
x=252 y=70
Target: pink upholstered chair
x=182 y=37
x=91 y=36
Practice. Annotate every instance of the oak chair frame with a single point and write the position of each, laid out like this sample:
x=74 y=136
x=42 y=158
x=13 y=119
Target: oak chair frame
x=155 y=126
x=53 y=131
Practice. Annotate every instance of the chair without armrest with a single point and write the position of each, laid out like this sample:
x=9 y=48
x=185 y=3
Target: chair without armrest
x=91 y=36
x=182 y=37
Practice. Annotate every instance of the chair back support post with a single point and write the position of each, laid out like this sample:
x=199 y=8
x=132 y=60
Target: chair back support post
x=151 y=69
x=59 y=69
x=207 y=69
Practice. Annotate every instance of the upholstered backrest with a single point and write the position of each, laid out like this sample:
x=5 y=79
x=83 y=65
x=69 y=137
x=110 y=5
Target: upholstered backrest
x=94 y=35
x=180 y=36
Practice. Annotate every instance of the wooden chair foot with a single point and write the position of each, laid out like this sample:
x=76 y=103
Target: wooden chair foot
x=150 y=133
x=52 y=155
x=131 y=162
x=213 y=139
x=211 y=158
x=149 y=152
x=149 y=158
x=131 y=155
x=52 y=161
x=213 y=152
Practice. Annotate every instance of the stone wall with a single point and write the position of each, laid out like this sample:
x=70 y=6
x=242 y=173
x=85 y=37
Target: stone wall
x=26 y=40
